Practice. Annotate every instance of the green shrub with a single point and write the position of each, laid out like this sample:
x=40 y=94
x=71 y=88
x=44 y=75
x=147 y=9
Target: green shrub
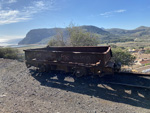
x=147 y=51
x=76 y=37
x=122 y=56
x=54 y=42
x=9 y=53
x=79 y=37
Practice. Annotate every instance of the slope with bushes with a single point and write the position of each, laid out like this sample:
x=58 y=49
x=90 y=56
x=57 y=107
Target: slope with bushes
x=9 y=53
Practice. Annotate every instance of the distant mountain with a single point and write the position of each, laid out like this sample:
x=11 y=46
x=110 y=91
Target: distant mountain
x=136 y=33
x=37 y=35
x=42 y=36
x=94 y=29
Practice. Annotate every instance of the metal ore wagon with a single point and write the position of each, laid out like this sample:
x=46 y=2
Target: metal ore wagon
x=79 y=60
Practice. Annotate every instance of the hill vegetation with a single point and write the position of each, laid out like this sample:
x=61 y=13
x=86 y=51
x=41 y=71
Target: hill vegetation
x=77 y=36
x=42 y=36
x=9 y=53
x=139 y=34
x=122 y=56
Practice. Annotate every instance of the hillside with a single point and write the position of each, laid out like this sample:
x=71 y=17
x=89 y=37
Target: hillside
x=136 y=33
x=94 y=29
x=37 y=35
x=42 y=36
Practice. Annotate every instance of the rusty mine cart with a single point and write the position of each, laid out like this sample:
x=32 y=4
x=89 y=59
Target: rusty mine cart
x=79 y=60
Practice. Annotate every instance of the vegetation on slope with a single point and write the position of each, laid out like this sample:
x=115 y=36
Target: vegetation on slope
x=122 y=56
x=77 y=37
x=9 y=53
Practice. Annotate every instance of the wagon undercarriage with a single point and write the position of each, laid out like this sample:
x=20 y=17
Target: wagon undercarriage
x=79 y=60
x=76 y=68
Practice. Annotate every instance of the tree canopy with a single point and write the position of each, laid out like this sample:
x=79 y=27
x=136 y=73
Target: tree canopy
x=76 y=37
x=79 y=37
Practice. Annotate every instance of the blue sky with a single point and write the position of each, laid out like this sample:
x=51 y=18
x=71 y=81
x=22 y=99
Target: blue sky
x=17 y=17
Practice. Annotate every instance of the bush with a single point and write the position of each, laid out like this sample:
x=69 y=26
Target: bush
x=9 y=53
x=113 y=46
x=54 y=42
x=124 y=57
x=76 y=37
x=147 y=51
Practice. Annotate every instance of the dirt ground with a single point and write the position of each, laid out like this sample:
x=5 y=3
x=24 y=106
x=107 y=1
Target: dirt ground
x=26 y=91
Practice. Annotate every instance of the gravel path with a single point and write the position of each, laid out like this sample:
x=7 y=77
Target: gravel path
x=26 y=91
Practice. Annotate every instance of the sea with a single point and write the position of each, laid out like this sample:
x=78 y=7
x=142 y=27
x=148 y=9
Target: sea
x=12 y=45
x=15 y=45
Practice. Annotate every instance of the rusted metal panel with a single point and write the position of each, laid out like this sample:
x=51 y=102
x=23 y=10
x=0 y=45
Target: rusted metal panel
x=96 y=57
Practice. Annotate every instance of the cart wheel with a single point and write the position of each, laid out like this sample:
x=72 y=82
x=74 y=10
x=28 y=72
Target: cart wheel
x=79 y=72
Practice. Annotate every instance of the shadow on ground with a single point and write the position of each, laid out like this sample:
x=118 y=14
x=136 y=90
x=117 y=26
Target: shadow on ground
x=93 y=86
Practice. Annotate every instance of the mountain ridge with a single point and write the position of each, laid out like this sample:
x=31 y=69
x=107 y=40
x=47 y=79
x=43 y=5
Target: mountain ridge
x=43 y=35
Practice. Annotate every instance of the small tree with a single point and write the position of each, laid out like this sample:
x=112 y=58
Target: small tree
x=54 y=42
x=124 y=57
x=58 y=39
x=79 y=37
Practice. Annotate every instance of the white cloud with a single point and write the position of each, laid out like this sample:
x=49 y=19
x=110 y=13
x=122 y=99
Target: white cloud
x=12 y=1
x=120 y=11
x=106 y=13
x=5 y=14
x=13 y=16
x=111 y=13
x=40 y=4
x=7 y=1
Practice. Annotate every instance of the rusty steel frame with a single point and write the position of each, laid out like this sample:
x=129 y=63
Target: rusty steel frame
x=92 y=58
